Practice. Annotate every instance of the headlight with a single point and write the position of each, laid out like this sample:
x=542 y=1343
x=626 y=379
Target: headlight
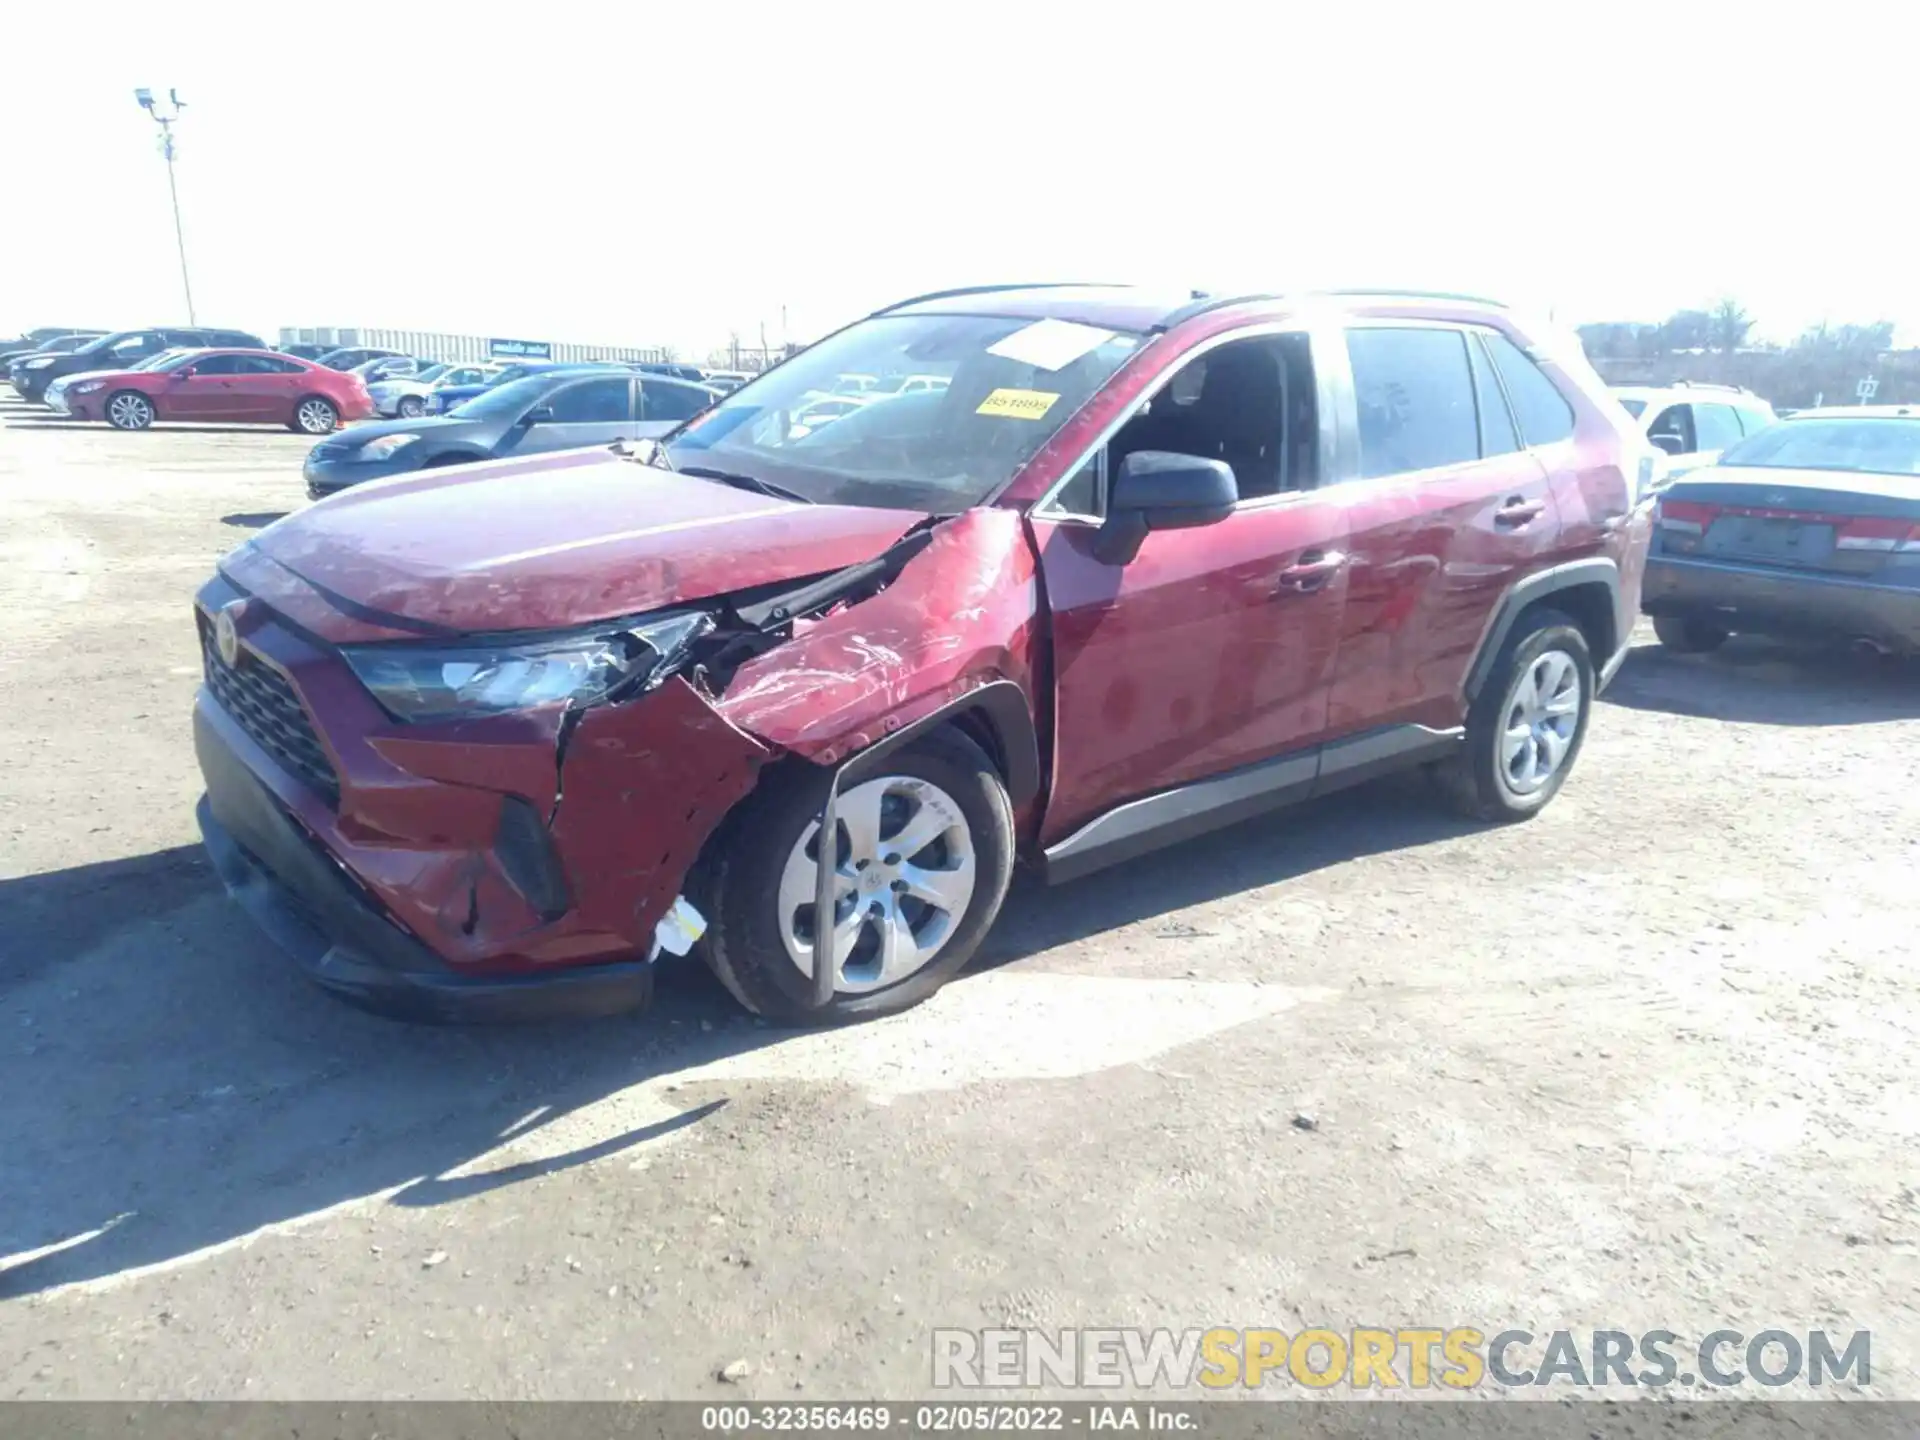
x=607 y=662
x=87 y=387
x=40 y=364
x=383 y=447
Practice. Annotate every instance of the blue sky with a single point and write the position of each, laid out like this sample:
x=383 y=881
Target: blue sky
x=668 y=174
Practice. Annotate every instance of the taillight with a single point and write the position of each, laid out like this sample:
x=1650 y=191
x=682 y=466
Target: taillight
x=1685 y=517
x=1868 y=533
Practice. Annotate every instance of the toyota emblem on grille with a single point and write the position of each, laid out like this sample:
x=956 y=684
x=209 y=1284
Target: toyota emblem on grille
x=226 y=633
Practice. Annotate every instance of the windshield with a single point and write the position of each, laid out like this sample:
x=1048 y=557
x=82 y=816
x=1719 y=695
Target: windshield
x=1632 y=407
x=1870 y=445
x=503 y=402
x=1010 y=386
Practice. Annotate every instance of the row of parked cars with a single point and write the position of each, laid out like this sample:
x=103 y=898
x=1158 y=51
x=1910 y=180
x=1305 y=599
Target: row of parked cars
x=129 y=379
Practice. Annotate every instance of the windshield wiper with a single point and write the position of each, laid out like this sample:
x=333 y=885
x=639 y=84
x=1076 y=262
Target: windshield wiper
x=743 y=482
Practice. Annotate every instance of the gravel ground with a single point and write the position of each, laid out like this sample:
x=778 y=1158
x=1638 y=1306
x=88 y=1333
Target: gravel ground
x=1644 y=1063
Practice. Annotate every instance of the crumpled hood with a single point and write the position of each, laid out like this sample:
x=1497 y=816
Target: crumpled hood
x=543 y=543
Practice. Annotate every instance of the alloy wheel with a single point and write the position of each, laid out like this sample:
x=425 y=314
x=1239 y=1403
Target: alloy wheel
x=904 y=876
x=315 y=417
x=1542 y=717
x=130 y=412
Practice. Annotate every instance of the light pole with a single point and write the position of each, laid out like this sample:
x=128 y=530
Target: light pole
x=164 y=119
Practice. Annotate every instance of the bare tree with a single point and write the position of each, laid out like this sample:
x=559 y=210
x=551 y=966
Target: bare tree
x=1729 y=325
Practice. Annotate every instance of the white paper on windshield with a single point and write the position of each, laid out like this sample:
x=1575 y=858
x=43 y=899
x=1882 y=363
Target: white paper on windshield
x=1049 y=344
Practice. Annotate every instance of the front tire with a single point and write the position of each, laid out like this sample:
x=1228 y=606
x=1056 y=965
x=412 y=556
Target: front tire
x=924 y=853
x=1525 y=729
x=411 y=407
x=129 y=410
x=313 y=415
x=1687 y=636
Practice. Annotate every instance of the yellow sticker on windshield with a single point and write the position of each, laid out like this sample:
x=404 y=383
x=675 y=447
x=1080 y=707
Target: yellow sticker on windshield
x=1017 y=404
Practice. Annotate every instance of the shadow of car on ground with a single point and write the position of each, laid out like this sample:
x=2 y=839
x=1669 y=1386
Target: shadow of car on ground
x=169 y=1082
x=1753 y=679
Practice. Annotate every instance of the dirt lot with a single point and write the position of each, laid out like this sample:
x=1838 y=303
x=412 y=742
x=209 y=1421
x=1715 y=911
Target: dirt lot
x=1647 y=1062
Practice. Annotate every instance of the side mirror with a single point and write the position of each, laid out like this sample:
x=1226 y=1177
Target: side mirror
x=1159 y=490
x=1671 y=444
x=539 y=415
x=185 y=372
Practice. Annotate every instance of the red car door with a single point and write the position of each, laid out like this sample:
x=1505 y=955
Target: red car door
x=263 y=389
x=1212 y=648
x=1446 y=511
x=202 y=390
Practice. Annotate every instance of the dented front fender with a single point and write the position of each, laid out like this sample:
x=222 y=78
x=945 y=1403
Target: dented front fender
x=961 y=615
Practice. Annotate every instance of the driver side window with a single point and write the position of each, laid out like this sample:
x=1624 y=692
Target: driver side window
x=1251 y=403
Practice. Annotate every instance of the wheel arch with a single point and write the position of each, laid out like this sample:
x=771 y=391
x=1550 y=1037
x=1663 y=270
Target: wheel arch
x=1587 y=590
x=995 y=716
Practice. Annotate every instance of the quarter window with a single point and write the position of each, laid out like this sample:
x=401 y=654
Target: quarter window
x=1414 y=393
x=1543 y=412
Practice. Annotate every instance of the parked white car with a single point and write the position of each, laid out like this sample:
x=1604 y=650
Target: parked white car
x=406 y=395
x=1691 y=424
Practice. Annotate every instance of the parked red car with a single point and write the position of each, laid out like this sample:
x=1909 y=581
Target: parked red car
x=244 y=386
x=482 y=742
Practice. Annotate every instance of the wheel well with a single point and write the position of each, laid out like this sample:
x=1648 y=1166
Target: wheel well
x=1588 y=605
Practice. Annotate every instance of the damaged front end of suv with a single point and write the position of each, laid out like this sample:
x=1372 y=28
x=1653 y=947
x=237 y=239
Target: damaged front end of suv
x=507 y=826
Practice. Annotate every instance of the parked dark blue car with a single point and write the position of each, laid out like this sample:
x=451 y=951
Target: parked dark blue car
x=441 y=401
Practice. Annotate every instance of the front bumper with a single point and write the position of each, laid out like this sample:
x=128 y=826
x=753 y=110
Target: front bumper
x=1772 y=601
x=326 y=475
x=332 y=930
x=499 y=867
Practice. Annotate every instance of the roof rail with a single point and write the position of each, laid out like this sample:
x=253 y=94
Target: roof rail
x=991 y=289
x=1394 y=293
x=1202 y=302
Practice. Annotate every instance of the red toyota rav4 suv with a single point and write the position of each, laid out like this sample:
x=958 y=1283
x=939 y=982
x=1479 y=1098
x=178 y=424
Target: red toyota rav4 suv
x=479 y=743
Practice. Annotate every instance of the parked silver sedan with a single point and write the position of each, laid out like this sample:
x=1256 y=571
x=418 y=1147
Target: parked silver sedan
x=406 y=395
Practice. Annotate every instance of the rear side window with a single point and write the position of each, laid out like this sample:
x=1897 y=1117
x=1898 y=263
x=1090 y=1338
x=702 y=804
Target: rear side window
x=591 y=402
x=269 y=365
x=1497 y=435
x=1718 y=426
x=1543 y=412
x=1414 y=393
x=663 y=400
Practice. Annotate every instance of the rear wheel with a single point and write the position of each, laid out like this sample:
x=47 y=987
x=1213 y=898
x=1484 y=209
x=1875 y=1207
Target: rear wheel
x=1525 y=730
x=314 y=416
x=129 y=410
x=1687 y=636
x=923 y=854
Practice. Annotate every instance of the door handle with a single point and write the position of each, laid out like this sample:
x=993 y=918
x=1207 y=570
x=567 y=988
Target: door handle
x=1518 y=511
x=1310 y=572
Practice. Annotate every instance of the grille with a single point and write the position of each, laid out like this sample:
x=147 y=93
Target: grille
x=260 y=699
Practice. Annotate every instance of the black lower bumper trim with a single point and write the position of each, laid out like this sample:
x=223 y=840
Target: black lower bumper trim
x=303 y=901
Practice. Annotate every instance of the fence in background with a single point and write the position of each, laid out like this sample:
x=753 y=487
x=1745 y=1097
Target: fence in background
x=429 y=345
